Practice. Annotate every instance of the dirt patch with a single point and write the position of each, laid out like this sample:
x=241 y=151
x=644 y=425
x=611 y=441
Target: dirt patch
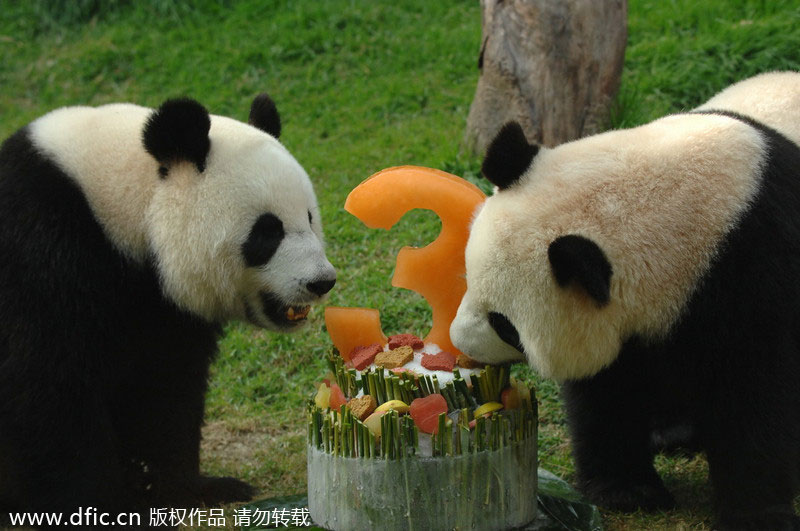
x=233 y=447
x=270 y=457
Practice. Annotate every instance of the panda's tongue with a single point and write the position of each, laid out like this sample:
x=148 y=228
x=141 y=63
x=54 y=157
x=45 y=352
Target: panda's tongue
x=295 y=313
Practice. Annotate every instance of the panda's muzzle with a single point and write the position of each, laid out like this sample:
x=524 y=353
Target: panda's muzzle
x=284 y=315
x=505 y=330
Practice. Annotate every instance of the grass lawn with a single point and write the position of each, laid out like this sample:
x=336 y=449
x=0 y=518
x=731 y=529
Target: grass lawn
x=360 y=86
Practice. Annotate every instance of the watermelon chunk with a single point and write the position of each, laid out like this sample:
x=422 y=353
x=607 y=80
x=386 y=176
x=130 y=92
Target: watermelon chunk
x=510 y=398
x=425 y=412
x=337 y=398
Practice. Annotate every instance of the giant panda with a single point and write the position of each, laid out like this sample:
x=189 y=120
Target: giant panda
x=128 y=237
x=654 y=271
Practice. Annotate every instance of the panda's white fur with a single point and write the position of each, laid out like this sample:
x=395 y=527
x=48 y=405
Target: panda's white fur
x=193 y=223
x=654 y=271
x=658 y=216
x=771 y=98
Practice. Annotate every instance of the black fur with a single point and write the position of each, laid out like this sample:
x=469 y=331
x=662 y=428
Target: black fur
x=577 y=259
x=264 y=115
x=505 y=330
x=731 y=366
x=178 y=131
x=264 y=239
x=508 y=156
x=102 y=380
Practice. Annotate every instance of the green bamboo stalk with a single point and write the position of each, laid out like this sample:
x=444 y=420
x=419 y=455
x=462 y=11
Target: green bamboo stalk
x=390 y=436
x=448 y=441
x=345 y=439
x=397 y=436
x=483 y=384
x=480 y=434
x=326 y=433
x=352 y=382
x=351 y=441
x=476 y=388
x=367 y=445
x=398 y=392
x=357 y=439
x=401 y=438
x=461 y=386
x=412 y=441
x=441 y=436
x=447 y=398
x=372 y=452
x=384 y=437
x=373 y=387
x=333 y=355
x=318 y=428
x=335 y=439
x=423 y=384
x=418 y=392
x=466 y=439
x=380 y=384
x=408 y=392
x=387 y=386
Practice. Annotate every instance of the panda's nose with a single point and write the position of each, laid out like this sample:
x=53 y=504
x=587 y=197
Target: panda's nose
x=321 y=287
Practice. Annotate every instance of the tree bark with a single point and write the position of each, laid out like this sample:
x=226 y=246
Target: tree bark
x=552 y=65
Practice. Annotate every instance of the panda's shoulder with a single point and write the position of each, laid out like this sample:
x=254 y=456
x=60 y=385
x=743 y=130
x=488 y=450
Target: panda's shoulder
x=83 y=123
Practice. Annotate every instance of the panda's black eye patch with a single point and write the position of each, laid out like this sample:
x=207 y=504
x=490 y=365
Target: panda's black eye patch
x=505 y=330
x=264 y=239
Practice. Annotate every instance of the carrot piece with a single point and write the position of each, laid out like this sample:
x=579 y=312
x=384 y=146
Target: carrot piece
x=352 y=327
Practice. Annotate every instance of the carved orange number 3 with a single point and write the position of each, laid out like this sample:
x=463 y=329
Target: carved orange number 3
x=435 y=271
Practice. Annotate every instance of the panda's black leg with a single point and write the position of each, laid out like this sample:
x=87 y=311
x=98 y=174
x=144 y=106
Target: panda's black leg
x=70 y=459
x=609 y=422
x=753 y=483
x=752 y=445
x=163 y=422
x=161 y=431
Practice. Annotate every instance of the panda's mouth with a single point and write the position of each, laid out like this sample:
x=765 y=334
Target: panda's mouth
x=505 y=330
x=297 y=313
x=284 y=315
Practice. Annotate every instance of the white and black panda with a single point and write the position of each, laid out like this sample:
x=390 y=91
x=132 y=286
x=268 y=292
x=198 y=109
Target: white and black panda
x=128 y=236
x=655 y=271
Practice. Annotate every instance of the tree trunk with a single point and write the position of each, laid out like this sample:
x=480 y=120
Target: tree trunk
x=552 y=65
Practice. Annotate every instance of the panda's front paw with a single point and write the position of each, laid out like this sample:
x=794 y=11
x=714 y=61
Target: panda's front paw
x=626 y=495
x=218 y=490
x=782 y=519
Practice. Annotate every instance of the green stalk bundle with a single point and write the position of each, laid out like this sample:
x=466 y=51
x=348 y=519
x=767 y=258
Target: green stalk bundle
x=340 y=433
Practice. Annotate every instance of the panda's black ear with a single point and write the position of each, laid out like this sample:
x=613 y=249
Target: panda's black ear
x=178 y=131
x=579 y=260
x=508 y=156
x=264 y=115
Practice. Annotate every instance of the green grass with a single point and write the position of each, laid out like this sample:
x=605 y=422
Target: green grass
x=360 y=86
